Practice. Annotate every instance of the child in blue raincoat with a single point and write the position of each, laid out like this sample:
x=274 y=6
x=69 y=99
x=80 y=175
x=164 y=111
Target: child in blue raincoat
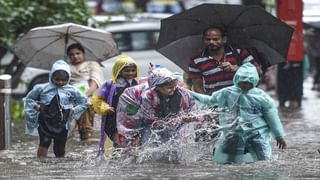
x=249 y=117
x=50 y=107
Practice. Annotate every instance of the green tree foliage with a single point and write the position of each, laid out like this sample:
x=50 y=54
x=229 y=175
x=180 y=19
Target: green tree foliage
x=19 y=16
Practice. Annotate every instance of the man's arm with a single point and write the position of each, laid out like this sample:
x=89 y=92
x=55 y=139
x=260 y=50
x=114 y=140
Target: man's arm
x=196 y=77
x=198 y=85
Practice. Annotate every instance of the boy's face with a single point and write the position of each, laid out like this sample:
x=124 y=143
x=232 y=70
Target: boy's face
x=60 y=81
x=245 y=86
x=129 y=72
x=167 y=89
x=76 y=56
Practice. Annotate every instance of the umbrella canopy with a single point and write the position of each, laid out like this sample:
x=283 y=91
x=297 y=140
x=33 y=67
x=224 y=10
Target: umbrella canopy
x=246 y=27
x=42 y=46
x=312 y=24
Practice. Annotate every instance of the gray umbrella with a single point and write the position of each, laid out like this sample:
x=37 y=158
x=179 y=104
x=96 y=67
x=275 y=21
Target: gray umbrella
x=246 y=27
x=42 y=46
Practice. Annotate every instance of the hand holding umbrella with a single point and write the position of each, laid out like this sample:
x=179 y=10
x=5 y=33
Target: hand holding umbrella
x=246 y=27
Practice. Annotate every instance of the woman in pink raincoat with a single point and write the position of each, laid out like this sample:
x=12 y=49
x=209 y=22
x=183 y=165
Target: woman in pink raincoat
x=141 y=108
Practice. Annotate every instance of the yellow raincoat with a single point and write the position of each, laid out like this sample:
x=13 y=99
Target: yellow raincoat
x=99 y=103
x=105 y=100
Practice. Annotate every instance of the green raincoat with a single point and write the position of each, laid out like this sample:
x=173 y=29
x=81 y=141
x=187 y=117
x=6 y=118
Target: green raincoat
x=247 y=119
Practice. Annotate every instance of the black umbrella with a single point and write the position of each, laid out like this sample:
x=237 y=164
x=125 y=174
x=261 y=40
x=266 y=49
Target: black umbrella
x=312 y=24
x=246 y=27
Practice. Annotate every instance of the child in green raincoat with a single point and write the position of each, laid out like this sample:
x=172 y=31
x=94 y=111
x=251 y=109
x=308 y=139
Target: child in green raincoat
x=249 y=117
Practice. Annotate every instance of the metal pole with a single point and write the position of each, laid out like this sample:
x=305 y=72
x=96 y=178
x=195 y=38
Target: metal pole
x=6 y=91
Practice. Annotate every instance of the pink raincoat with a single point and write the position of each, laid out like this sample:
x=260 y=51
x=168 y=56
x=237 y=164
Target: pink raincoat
x=138 y=107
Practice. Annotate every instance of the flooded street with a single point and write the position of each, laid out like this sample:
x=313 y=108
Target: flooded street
x=300 y=161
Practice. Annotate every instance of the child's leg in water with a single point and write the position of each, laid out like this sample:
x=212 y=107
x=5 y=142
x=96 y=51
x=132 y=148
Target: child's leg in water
x=44 y=144
x=42 y=152
x=60 y=144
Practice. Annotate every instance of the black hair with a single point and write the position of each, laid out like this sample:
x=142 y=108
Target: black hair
x=130 y=65
x=222 y=30
x=75 y=46
x=61 y=74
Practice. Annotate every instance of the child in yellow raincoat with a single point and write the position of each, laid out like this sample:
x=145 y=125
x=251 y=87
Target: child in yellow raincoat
x=124 y=74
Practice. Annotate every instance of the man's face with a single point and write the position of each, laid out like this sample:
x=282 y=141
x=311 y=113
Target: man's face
x=213 y=39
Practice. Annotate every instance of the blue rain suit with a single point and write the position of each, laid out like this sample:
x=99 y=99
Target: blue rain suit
x=247 y=119
x=70 y=97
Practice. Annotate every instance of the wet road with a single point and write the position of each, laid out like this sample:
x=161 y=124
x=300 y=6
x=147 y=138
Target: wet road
x=300 y=161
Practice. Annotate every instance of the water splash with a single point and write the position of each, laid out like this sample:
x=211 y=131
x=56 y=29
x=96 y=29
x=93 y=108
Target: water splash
x=174 y=140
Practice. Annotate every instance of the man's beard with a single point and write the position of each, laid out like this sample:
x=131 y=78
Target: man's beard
x=214 y=48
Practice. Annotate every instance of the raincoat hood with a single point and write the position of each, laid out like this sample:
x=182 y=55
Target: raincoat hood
x=122 y=62
x=158 y=75
x=59 y=65
x=246 y=73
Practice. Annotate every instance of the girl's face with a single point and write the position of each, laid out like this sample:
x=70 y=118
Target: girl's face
x=129 y=72
x=245 y=86
x=167 y=89
x=76 y=56
x=60 y=81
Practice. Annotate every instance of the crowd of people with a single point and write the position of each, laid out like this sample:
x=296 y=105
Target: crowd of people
x=221 y=76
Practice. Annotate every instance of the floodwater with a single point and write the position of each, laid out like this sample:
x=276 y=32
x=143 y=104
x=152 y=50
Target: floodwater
x=300 y=161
